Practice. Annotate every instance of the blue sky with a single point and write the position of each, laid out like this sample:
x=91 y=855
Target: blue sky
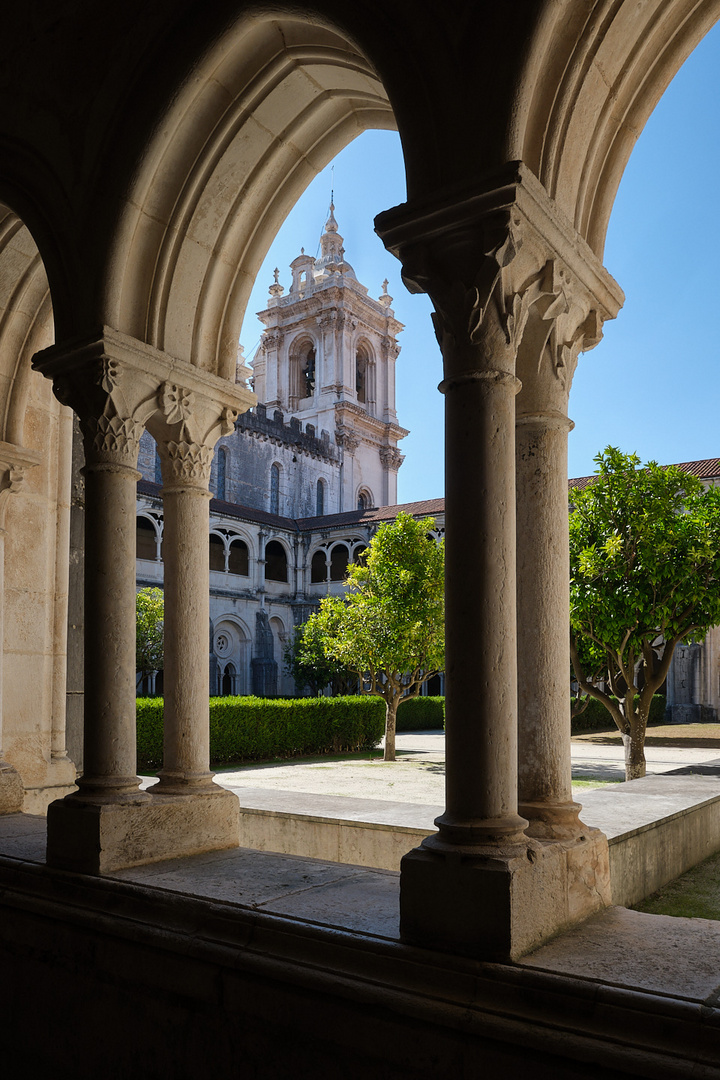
x=651 y=385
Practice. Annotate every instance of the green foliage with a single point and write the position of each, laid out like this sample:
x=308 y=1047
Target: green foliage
x=389 y=628
x=421 y=714
x=149 y=616
x=256 y=729
x=311 y=668
x=644 y=575
x=595 y=717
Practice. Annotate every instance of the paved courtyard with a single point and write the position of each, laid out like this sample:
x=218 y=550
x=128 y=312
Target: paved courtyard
x=418 y=776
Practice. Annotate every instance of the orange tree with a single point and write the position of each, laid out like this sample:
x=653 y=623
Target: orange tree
x=644 y=576
x=389 y=628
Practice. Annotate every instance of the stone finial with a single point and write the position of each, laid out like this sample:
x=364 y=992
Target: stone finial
x=276 y=289
x=385 y=299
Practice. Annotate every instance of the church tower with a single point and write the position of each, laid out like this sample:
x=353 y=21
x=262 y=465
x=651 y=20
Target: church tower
x=327 y=358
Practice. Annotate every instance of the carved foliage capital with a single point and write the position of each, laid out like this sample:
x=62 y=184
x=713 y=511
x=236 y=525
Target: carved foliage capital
x=346 y=439
x=391 y=457
x=106 y=411
x=187 y=463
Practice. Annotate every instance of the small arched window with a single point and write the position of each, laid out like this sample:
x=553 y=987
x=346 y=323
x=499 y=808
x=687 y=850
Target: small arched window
x=318 y=568
x=307 y=373
x=221 y=485
x=238 y=560
x=275 y=489
x=217 y=552
x=364 y=500
x=339 y=558
x=320 y=498
x=275 y=562
x=146 y=539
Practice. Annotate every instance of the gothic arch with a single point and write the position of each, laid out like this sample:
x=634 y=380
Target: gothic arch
x=265 y=109
x=365 y=373
x=592 y=78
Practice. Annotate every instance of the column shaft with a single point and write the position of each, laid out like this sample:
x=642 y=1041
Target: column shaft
x=481 y=696
x=543 y=625
x=187 y=618
x=110 y=726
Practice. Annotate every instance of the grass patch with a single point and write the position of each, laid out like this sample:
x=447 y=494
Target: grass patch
x=695 y=895
x=594 y=783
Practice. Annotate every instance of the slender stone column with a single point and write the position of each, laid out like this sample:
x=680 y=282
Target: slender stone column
x=186 y=501
x=109 y=743
x=543 y=626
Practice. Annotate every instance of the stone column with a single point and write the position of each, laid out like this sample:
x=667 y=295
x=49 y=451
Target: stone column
x=186 y=427
x=15 y=461
x=481 y=885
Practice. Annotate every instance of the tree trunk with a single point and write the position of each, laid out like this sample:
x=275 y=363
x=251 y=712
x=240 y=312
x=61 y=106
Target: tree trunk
x=390 y=720
x=634 y=744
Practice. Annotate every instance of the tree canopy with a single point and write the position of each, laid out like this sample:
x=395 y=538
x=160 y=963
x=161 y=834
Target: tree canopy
x=644 y=576
x=149 y=616
x=389 y=628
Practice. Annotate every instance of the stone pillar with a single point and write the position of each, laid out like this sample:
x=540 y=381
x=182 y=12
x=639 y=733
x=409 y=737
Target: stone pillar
x=482 y=885
x=117 y=386
x=186 y=429
x=15 y=461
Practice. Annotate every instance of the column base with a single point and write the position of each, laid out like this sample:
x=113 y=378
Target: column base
x=553 y=821
x=500 y=905
x=11 y=789
x=97 y=838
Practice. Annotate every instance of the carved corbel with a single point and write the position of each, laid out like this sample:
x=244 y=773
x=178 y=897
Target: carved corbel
x=391 y=457
x=15 y=463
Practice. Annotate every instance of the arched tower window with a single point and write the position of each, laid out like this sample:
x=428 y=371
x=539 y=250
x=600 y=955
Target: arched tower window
x=365 y=499
x=275 y=562
x=320 y=498
x=221 y=484
x=361 y=376
x=275 y=489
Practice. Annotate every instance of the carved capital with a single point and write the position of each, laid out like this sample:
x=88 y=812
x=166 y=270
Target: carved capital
x=186 y=464
x=504 y=269
x=346 y=439
x=391 y=457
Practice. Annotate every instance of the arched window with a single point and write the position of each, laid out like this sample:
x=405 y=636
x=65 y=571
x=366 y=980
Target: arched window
x=339 y=558
x=275 y=489
x=318 y=568
x=227 y=685
x=238 y=559
x=146 y=539
x=307 y=373
x=364 y=500
x=217 y=552
x=220 y=492
x=320 y=498
x=275 y=562
x=361 y=373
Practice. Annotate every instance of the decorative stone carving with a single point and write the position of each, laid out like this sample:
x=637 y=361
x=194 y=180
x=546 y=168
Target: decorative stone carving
x=391 y=457
x=190 y=462
x=347 y=439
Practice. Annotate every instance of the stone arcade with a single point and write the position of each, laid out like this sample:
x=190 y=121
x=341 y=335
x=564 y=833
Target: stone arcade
x=149 y=152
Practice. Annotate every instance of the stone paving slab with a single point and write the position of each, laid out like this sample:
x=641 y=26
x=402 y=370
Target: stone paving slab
x=662 y=954
x=625 y=809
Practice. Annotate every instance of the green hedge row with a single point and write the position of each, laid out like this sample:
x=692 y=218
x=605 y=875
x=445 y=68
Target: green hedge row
x=421 y=714
x=597 y=718
x=254 y=729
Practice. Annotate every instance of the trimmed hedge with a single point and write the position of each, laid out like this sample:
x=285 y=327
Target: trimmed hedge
x=255 y=729
x=597 y=718
x=421 y=714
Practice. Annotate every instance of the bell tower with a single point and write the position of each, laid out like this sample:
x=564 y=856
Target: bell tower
x=327 y=358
